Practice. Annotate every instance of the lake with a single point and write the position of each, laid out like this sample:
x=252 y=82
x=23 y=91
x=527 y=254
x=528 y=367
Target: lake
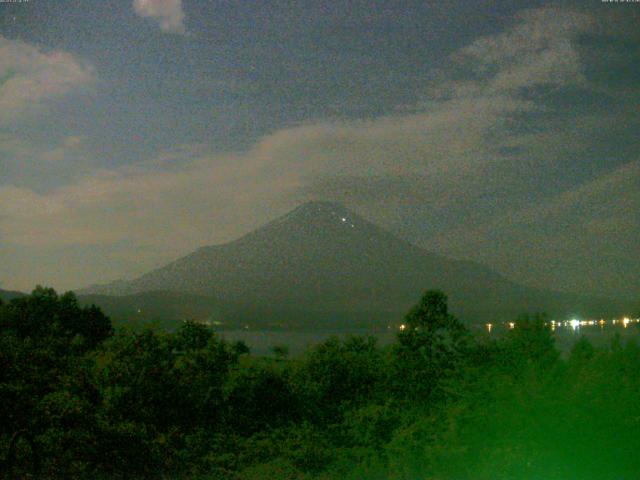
x=261 y=342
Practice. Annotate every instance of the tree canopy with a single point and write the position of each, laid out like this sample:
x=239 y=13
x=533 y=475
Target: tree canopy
x=80 y=400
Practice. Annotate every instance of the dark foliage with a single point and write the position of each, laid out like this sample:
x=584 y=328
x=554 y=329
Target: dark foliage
x=78 y=401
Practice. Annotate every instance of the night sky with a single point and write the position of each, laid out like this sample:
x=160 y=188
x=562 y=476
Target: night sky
x=133 y=132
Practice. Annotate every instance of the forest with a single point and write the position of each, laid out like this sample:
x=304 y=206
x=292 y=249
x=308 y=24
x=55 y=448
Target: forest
x=81 y=399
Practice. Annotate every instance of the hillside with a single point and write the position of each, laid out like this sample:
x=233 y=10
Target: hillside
x=7 y=295
x=323 y=265
x=164 y=307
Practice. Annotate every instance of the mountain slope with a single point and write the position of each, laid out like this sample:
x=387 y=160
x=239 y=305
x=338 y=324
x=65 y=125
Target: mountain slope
x=8 y=295
x=157 y=306
x=323 y=265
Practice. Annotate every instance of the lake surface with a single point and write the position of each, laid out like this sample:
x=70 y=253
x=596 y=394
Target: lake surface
x=261 y=342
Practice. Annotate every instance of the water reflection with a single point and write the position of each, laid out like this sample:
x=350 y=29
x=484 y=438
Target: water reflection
x=598 y=331
x=573 y=324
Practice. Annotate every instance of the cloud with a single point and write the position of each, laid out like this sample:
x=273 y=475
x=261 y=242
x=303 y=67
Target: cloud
x=29 y=76
x=489 y=133
x=539 y=49
x=582 y=239
x=43 y=166
x=208 y=199
x=69 y=146
x=168 y=13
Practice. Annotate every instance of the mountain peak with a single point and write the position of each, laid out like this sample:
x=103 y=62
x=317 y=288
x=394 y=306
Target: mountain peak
x=323 y=265
x=322 y=207
x=318 y=211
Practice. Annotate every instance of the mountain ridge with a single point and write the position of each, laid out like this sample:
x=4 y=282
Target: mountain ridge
x=8 y=295
x=322 y=264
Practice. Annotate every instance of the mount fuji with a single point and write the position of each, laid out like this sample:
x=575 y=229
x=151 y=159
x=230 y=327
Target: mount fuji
x=322 y=265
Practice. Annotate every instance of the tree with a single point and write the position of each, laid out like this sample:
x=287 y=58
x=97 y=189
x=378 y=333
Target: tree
x=582 y=351
x=281 y=352
x=260 y=397
x=44 y=314
x=192 y=336
x=336 y=375
x=46 y=400
x=430 y=344
x=530 y=342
